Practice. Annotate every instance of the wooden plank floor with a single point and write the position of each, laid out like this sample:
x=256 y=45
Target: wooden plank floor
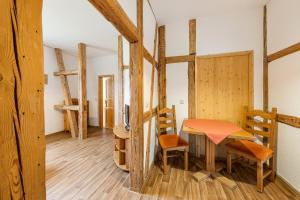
x=86 y=170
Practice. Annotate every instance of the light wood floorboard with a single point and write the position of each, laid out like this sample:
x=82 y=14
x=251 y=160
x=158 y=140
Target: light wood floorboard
x=85 y=170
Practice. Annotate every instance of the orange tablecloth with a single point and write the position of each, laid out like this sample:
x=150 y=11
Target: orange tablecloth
x=215 y=130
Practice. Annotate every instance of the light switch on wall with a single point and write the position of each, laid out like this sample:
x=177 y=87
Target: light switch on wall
x=181 y=101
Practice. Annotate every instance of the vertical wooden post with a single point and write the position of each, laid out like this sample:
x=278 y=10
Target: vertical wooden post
x=22 y=134
x=121 y=81
x=82 y=116
x=137 y=105
x=162 y=93
x=100 y=97
x=265 y=67
x=191 y=81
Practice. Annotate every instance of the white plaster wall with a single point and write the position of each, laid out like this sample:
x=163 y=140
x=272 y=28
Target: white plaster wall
x=284 y=83
x=149 y=35
x=149 y=32
x=126 y=57
x=215 y=34
x=54 y=121
x=107 y=65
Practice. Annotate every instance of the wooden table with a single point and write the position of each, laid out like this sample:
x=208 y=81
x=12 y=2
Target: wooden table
x=210 y=152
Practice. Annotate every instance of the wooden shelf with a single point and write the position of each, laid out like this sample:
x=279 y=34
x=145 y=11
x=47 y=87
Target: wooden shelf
x=66 y=73
x=65 y=107
x=121 y=132
x=121 y=152
x=116 y=159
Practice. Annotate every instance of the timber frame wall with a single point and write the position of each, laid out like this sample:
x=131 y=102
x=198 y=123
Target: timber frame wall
x=114 y=13
x=191 y=59
x=286 y=119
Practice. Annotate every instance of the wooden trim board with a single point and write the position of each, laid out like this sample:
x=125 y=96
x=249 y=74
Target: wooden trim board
x=57 y=136
x=236 y=53
x=280 y=180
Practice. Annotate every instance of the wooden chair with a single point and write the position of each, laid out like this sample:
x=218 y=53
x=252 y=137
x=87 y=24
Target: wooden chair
x=166 y=119
x=266 y=127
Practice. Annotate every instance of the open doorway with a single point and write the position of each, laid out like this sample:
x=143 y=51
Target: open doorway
x=106 y=101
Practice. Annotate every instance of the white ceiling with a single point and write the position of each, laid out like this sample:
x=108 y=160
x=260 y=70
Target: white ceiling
x=68 y=22
x=171 y=10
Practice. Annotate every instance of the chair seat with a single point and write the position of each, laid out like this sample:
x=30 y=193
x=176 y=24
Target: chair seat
x=258 y=151
x=171 y=141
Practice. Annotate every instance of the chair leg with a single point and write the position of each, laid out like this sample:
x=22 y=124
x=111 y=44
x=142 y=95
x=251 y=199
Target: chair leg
x=159 y=150
x=186 y=160
x=229 y=163
x=273 y=167
x=260 y=176
x=165 y=161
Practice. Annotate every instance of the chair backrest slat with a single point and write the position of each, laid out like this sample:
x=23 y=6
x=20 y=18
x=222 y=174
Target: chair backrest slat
x=262 y=123
x=258 y=124
x=166 y=118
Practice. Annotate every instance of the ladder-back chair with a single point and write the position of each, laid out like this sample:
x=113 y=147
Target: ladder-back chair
x=168 y=138
x=265 y=127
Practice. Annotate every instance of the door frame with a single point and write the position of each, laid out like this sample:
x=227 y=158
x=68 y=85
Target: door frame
x=100 y=97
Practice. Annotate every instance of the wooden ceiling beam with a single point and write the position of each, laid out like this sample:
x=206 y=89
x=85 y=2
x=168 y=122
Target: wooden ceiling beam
x=114 y=13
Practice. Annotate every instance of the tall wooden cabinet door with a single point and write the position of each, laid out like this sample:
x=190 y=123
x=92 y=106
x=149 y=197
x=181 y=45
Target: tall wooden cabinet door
x=109 y=104
x=224 y=85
